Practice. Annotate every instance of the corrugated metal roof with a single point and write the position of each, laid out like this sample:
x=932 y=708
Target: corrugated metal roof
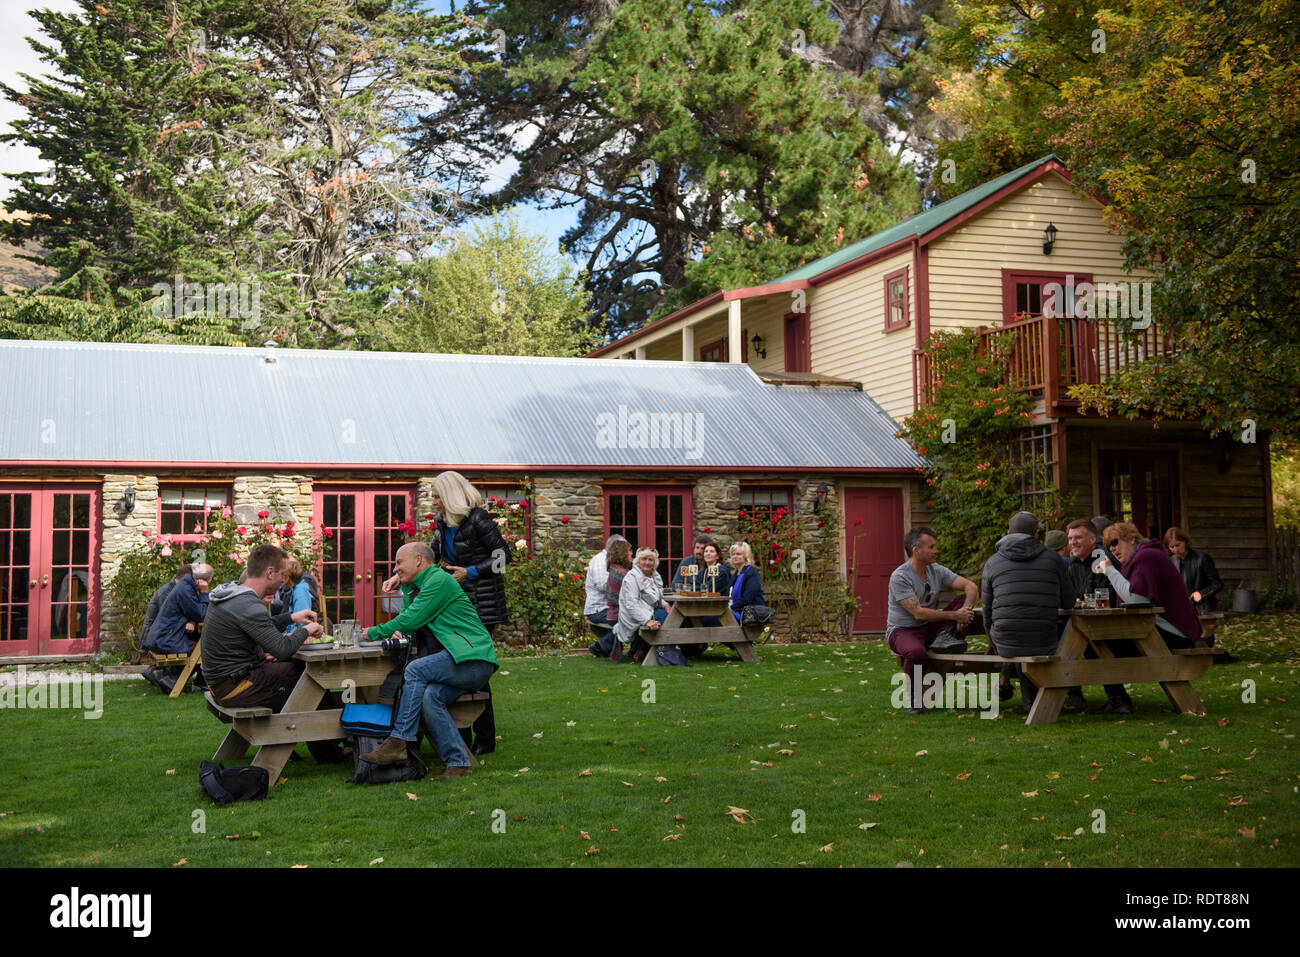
x=917 y=225
x=100 y=402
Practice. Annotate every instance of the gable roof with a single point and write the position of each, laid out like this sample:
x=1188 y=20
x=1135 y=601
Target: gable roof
x=104 y=405
x=946 y=215
x=914 y=226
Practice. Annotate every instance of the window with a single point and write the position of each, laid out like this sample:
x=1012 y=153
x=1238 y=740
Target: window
x=657 y=517
x=1142 y=488
x=513 y=495
x=716 y=351
x=896 y=314
x=798 y=353
x=765 y=500
x=183 y=509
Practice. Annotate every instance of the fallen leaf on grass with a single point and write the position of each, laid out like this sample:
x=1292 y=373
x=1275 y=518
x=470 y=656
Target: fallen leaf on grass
x=1236 y=800
x=539 y=734
x=868 y=825
x=873 y=796
x=668 y=799
x=585 y=774
x=786 y=751
x=1187 y=777
x=1030 y=794
x=739 y=815
x=767 y=764
x=1146 y=758
x=963 y=776
x=232 y=837
x=377 y=860
x=1253 y=752
x=921 y=752
x=183 y=861
x=412 y=797
x=673 y=837
x=1222 y=771
x=827 y=849
x=296 y=867
x=1247 y=832
x=677 y=818
x=626 y=784
x=1223 y=722
x=1053 y=775
x=281 y=780
x=584 y=835
x=590 y=851
x=661 y=780
x=171 y=771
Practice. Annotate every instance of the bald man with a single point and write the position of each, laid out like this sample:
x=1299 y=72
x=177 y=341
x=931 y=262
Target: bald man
x=456 y=657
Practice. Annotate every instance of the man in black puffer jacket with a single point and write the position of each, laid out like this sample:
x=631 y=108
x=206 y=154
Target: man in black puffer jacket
x=1023 y=586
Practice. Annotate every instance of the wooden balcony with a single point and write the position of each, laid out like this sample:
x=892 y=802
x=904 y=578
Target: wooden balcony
x=1047 y=356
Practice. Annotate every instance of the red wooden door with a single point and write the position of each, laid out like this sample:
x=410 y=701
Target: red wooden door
x=873 y=534
x=652 y=517
x=49 y=570
x=364 y=541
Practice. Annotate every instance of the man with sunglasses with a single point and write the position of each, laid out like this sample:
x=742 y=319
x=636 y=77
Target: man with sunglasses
x=915 y=619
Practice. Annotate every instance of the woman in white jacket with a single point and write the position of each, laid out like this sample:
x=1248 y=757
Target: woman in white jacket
x=640 y=604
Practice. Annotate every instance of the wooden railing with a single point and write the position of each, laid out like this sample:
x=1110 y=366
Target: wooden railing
x=1050 y=355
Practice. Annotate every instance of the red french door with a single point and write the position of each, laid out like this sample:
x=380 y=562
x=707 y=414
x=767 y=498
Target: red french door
x=873 y=535
x=652 y=517
x=49 y=574
x=364 y=542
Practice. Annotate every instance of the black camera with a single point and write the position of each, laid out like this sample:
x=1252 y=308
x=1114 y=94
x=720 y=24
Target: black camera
x=397 y=643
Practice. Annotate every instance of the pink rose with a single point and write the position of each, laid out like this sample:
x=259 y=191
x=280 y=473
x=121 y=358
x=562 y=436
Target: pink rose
x=167 y=550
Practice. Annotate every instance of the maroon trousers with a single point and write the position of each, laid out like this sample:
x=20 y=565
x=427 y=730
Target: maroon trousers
x=912 y=644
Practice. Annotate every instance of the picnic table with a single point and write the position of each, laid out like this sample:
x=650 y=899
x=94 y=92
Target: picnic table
x=361 y=668
x=1174 y=670
x=695 y=608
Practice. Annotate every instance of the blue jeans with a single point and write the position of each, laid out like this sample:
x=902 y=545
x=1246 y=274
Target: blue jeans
x=433 y=682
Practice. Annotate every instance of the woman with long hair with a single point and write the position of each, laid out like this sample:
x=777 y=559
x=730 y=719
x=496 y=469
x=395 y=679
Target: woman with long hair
x=1197 y=568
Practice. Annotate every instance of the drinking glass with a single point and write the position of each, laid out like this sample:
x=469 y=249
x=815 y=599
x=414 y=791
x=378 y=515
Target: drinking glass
x=1103 y=597
x=345 y=633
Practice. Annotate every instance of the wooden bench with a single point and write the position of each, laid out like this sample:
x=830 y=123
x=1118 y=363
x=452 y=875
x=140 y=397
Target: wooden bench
x=255 y=727
x=1172 y=669
x=186 y=662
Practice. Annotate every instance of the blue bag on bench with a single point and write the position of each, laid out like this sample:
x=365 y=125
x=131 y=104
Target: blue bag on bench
x=375 y=719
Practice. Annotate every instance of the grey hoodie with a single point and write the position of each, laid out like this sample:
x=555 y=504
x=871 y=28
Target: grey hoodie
x=1023 y=586
x=239 y=632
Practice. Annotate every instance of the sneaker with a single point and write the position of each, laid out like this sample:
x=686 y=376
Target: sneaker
x=594 y=648
x=1006 y=692
x=1115 y=706
x=1074 y=703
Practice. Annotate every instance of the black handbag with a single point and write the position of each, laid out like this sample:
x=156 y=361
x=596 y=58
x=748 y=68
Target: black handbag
x=756 y=616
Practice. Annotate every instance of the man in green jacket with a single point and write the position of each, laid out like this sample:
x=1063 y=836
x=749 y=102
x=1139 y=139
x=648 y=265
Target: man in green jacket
x=462 y=659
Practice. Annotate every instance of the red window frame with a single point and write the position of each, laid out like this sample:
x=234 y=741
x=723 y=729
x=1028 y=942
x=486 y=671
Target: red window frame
x=798 y=342
x=190 y=514
x=717 y=351
x=1011 y=278
x=646 y=529
x=771 y=492
x=904 y=301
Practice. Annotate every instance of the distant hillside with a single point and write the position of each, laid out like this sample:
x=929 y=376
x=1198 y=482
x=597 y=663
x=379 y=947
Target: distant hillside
x=17 y=273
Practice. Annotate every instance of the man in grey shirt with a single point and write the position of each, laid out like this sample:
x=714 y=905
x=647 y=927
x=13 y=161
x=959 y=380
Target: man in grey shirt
x=915 y=618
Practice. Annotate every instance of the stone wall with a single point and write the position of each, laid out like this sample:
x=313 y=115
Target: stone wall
x=119 y=533
x=254 y=492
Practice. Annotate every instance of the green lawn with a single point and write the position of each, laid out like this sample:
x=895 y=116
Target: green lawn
x=947 y=788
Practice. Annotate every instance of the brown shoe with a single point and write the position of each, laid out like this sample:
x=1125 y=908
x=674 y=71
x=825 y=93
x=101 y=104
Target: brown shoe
x=390 y=752
x=453 y=771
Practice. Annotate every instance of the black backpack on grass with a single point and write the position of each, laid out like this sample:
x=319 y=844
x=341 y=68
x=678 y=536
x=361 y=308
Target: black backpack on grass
x=225 y=785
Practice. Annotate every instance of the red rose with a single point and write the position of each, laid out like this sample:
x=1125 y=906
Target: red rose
x=242 y=529
x=263 y=513
x=524 y=505
x=564 y=520
x=329 y=533
x=429 y=515
x=707 y=529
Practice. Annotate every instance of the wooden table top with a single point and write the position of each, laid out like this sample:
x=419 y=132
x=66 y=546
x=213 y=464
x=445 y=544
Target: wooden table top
x=365 y=650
